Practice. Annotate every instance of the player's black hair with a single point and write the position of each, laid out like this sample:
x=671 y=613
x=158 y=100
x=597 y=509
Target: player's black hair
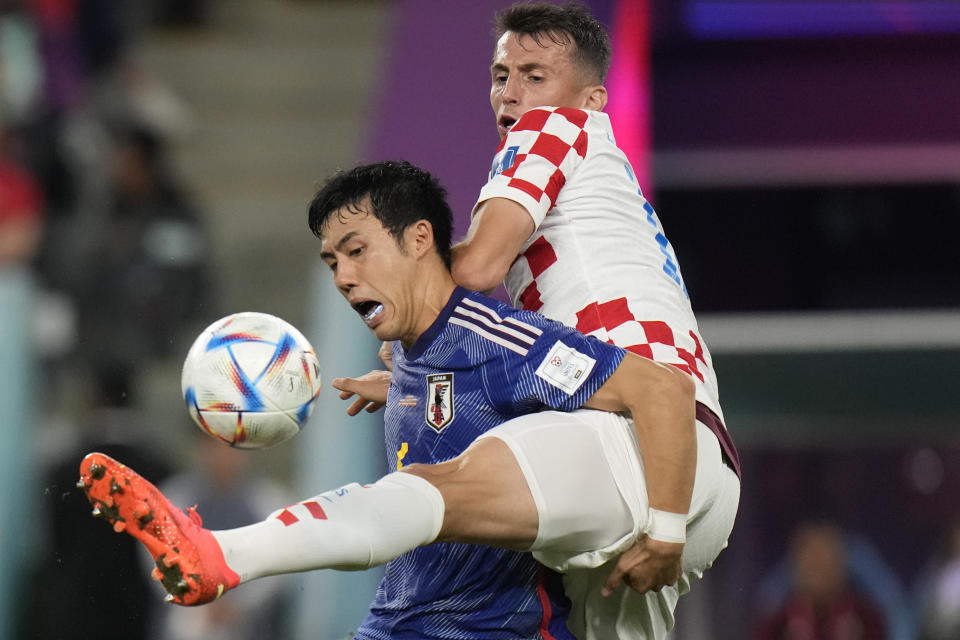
x=400 y=194
x=561 y=24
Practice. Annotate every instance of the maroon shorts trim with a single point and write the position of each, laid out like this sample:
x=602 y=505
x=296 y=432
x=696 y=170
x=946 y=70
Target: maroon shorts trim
x=713 y=422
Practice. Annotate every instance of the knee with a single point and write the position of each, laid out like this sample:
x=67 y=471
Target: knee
x=484 y=466
x=439 y=475
x=486 y=498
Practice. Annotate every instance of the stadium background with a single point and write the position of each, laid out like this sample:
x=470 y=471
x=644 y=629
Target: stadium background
x=804 y=158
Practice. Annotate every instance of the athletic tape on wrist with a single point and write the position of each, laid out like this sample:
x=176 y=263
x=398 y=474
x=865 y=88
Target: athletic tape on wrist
x=666 y=526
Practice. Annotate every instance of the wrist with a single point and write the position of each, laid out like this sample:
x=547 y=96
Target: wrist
x=667 y=526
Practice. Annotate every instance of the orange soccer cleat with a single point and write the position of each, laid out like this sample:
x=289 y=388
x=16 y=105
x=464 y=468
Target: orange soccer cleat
x=189 y=560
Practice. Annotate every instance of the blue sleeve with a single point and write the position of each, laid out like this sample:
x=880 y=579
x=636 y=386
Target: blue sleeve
x=562 y=369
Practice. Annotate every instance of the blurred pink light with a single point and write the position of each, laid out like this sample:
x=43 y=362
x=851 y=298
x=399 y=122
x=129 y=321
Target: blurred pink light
x=629 y=86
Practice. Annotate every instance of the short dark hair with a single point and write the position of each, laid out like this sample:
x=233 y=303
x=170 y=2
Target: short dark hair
x=560 y=23
x=400 y=195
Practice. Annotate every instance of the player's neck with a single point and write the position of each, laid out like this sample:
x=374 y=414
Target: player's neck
x=435 y=286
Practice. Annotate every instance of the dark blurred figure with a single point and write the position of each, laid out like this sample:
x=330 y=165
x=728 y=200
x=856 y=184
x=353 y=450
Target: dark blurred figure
x=230 y=490
x=182 y=13
x=90 y=582
x=147 y=275
x=940 y=592
x=822 y=603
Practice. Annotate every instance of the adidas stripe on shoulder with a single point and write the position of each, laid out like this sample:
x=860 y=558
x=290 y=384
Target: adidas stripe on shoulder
x=509 y=333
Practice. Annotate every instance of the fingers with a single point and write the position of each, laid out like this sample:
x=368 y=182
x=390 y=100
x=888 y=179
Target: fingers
x=370 y=389
x=630 y=559
x=356 y=406
x=361 y=404
x=363 y=390
x=342 y=384
x=613 y=581
x=637 y=578
x=354 y=386
x=643 y=568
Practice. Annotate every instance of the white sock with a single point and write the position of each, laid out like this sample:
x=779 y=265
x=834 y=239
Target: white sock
x=354 y=527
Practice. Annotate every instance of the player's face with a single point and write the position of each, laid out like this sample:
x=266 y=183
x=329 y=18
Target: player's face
x=373 y=272
x=525 y=75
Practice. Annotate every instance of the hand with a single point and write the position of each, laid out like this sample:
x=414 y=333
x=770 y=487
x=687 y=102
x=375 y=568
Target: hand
x=371 y=391
x=649 y=565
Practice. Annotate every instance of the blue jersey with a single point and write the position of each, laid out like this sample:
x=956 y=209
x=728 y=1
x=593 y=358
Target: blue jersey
x=480 y=363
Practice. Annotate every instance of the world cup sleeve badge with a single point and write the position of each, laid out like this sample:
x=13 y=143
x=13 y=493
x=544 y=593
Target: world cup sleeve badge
x=439 y=400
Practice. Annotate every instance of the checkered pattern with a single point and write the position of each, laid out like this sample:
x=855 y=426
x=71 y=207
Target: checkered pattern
x=552 y=142
x=540 y=255
x=529 y=298
x=614 y=322
x=599 y=259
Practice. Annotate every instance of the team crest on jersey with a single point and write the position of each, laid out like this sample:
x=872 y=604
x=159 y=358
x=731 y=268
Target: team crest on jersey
x=439 y=400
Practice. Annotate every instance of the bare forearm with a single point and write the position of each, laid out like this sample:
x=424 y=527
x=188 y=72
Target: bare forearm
x=470 y=273
x=660 y=399
x=497 y=232
x=668 y=444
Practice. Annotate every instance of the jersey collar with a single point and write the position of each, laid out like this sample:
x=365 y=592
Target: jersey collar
x=427 y=337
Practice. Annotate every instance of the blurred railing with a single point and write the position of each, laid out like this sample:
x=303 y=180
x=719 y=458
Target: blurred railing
x=17 y=394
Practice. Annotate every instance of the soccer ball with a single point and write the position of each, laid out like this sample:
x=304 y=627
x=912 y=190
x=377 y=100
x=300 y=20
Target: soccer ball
x=250 y=380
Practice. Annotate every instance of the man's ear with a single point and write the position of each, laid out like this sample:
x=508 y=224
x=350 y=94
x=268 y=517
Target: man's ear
x=596 y=98
x=419 y=237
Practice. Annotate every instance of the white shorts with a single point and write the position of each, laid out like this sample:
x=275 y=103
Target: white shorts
x=586 y=476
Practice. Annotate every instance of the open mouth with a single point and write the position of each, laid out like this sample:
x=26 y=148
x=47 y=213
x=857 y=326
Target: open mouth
x=368 y=309
x=506 y=122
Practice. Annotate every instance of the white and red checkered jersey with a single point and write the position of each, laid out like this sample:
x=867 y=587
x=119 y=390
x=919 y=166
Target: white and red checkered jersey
x=598 y=259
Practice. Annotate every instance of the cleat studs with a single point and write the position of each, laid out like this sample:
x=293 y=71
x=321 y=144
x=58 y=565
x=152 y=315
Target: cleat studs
x=156 y=575
x=182 y=585
x=81 y=484
x=168 y=597
x=97 y=471
x=119 y=526
x=96 y=512
x=143 y=515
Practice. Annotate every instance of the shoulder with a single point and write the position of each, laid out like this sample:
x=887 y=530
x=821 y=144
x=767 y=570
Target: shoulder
x=495 y=322
x=519 y=330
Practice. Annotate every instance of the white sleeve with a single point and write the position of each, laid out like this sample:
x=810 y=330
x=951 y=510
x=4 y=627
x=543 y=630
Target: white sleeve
x=539 y=153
